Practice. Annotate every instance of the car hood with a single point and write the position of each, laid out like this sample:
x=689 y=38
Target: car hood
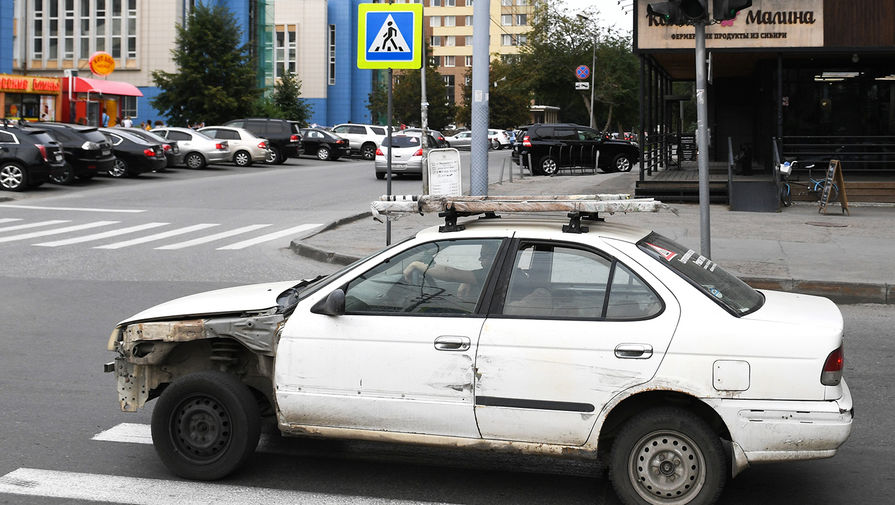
x=238 y=299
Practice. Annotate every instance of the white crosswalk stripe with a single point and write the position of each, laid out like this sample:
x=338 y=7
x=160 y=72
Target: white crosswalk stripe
x=57 y=231
x=27 y=226
x=101 y=235
x=212 y=238
x=71 y=209
x=157 y=236
x=270 y=236
x=9 y=219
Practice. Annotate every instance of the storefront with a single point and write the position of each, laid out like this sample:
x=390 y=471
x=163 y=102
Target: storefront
x=85 y=100
x=29 y=98
x=815 y=76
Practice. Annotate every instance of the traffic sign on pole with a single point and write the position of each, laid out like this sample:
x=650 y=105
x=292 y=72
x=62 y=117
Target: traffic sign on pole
x=389 y=35
x=582 y=72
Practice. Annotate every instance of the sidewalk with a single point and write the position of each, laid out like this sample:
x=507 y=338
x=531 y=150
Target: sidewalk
x=850 y=259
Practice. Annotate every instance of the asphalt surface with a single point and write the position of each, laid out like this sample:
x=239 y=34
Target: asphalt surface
x=847 y=258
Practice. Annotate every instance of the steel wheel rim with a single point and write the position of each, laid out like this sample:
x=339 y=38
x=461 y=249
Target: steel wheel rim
x=242 y=159
x=623 y=164
x=666 y=467
x=322 y=153
x=201 y=429
x=549 y=167
x=119 y=169
x=11 y=177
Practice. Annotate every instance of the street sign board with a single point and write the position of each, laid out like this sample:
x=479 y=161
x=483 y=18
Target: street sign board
x=444 y=172
x=389 y=35
x=582 y=72
x=582 y=85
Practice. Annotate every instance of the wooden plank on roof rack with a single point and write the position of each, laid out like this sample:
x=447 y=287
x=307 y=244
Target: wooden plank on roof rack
x=395 y=205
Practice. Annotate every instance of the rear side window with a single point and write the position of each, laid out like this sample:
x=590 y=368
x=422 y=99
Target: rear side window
x=359 y=130
x=7 y=138
x=257 y=127
x=544 y=132
x=176 y=135
x=565 y=134
x=61 y=134
x=94 y=136
x=378 y=130
x=42 y=138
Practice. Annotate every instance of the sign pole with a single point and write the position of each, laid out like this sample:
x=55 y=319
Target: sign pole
x=388 y=163
x=702 y=143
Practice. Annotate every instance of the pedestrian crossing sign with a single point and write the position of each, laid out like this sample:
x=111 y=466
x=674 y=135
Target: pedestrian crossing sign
x=389 y=35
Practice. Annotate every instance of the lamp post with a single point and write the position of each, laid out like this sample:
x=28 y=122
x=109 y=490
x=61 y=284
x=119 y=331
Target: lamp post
x=593 y=70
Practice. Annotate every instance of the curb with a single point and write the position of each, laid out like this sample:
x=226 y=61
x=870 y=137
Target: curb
x=323 y=255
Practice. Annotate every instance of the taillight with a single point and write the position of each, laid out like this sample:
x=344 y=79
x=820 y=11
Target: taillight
x=262 y=145
x=295 y=138
x=419 y=152
x=379 y=152
x=43 y=151
x=832 y=372
x=526 y=141
x=166 y=147
x=219 y=146
x=149 y=152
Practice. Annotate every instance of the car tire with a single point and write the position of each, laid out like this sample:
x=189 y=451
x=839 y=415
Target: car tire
x=195 y=161
x=548 y=166
x=495 y=144
x=119 y=169
x=667 y=455
x=323 y=153
x=13 y=177
x=242 y=159
x=380 y=175
x=66 y=177
x=368 y=151
x=621 y=163
x=206 y=425
x=274 y=156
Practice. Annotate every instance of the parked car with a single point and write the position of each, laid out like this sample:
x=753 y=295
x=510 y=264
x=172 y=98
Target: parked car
x=499 y=139
x=245 y=146
x=87 y=151
x=552 y=146
x=28 y=156
x=323 y=144
x=198 y=150
x=460 y=140
x=283 y=136
x=440 y=140
x=407 y=156
x=134 y=155
x=172 y=150
x=529 y=335
x=363 y=139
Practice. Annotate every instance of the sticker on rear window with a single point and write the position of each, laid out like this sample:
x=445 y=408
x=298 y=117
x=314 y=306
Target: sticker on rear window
x=665 y=253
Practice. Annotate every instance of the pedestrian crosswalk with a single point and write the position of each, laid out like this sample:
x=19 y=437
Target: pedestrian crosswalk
x=163 y=236
x=89 y=487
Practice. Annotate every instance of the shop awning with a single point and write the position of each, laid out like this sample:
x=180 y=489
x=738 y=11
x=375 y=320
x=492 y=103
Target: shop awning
x=83 y=85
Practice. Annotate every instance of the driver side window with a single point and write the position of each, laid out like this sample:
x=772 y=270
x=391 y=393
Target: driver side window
x=443 y=277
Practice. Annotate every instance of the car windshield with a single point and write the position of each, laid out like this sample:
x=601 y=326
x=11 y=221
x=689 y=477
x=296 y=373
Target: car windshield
x=402 y=141
x=718 y=284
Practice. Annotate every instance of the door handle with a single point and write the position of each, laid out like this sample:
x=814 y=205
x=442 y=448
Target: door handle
x=634 y=351
x=452 y=343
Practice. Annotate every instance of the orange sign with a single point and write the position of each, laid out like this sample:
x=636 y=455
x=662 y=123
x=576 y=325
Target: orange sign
x=102 y=63
x=24 y=84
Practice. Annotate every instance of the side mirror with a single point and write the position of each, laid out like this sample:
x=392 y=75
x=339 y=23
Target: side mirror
x=332 y=305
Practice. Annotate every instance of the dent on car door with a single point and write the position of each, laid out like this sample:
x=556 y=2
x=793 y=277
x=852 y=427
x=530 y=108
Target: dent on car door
x=401 y=357
x=570 y=328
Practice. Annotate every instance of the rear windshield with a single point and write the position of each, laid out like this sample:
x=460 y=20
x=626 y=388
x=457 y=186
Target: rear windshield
x=402 y=141
x=718 y=284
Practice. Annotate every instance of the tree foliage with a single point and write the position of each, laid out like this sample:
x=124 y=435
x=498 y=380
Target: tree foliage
x=557 y=44
x=215 y=81
x=508 y=96
x=406 y=98
x=286 y=102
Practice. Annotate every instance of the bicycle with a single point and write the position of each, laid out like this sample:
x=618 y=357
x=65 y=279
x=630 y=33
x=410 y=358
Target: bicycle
x=813 y=186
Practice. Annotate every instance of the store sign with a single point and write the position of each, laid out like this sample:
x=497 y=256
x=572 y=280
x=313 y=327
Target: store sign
x=768 y=23
x=102 y=63
x=22 y=84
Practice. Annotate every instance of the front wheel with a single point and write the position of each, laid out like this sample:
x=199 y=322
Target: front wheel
x=323 y=153
x=495 y=144
x=667 y=456
x=206 y=425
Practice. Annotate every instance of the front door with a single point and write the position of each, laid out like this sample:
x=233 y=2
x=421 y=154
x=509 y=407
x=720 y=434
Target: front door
x=402 y=356
x=574 y=328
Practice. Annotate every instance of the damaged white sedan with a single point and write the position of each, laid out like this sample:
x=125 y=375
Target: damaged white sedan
x=571 y=337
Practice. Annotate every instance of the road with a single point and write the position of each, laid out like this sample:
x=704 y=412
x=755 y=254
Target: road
x=63 y=439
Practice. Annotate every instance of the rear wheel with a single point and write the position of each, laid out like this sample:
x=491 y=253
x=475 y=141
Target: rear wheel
x=194 y=160
x=380 y=175
x=495 y=144
x=621 y=163
x=368 y=151
x=667 y=456
x=323 y=153
x=66 y=177
x=274 y=156
x=13 y=177
x=548 y=165
x=242 y=159
x=205 y=425
x=119 y=169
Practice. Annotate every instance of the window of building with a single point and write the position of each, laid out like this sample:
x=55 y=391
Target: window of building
x=450 y=61
x=468 y=40
x=450 y=41
x=506 y=40
x=450 y=3
x=468 y=21
x=285 y=50
x=521 y=19
x=436 y=61
x=435 y=3
x=450 y=21
x=449 y=88
x=506 y=19
x=332 y=54
x=469 y=3
x=506 y=2
x=128 y=106
x=434 y=20
x=468 y=61
x=521 y=39
x=435 y=40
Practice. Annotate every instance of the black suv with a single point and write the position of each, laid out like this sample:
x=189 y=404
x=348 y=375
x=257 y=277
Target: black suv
x=28 y=156
x=87 y=151
x=563 y=145
x=283 y=136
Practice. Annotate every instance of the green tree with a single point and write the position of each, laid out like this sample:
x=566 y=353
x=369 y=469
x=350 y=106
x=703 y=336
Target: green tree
x=508 y=96
x=406 y=99
x=286 y=102
x=557 y=44
x=215 y=81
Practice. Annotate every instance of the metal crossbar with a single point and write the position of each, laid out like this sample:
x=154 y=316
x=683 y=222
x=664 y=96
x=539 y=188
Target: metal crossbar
x=396 y=205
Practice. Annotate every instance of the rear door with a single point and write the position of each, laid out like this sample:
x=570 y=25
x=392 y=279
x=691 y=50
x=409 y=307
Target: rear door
x=570 y=327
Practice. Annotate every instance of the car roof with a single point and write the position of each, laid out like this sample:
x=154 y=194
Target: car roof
x=534 y=226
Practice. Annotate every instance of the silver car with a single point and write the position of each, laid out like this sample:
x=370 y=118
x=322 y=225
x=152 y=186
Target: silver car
x=407 y=156
x=460 y=139
x=245 y=146
x=198 y=149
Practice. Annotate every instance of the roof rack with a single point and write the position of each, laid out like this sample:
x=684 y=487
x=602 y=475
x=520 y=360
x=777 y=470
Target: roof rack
x=578 y=207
